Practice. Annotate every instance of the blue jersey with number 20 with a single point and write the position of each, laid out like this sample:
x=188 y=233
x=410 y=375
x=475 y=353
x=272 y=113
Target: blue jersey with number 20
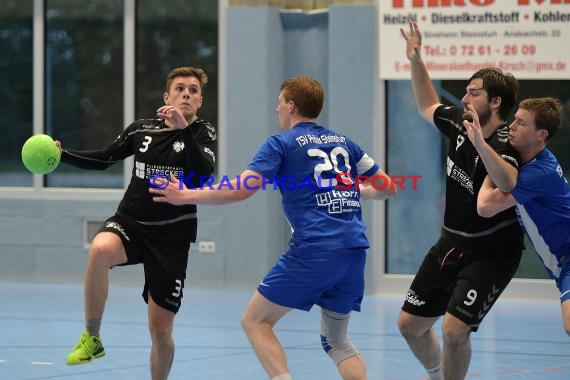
x=309 y=163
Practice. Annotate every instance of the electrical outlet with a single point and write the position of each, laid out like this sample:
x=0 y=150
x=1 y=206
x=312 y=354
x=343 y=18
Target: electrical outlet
x=206 y=246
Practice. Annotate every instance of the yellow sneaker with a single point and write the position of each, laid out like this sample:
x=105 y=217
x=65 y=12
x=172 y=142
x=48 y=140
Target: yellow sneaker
x=88 y=348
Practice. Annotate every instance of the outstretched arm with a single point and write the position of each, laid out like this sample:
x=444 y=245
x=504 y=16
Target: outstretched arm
x=238 y=189
x=424 y=92
x=95 y=159
x=491 y=200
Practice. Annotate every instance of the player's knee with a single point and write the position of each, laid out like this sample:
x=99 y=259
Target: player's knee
x=160 y=332
x=334 y=337
x=338 y=349
x=566 y=312
x=246 y=323
x=99 y=251
x=249 y=324
x=353 y=368
x=410 y=327
x=456 y=335
x=98 y=247
x=404 y=325
x=107 y=251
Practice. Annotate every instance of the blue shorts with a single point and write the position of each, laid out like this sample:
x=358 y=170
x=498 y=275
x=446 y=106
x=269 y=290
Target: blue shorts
x=563 y=281
x=333 y=280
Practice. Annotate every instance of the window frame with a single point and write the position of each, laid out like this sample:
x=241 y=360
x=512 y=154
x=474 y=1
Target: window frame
x=38 y=190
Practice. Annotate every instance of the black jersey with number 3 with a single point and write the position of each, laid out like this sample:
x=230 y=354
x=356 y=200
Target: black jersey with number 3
x=157 y=149
x=464 y=177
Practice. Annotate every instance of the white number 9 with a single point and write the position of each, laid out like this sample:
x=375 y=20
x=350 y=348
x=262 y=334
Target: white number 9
x=472 y=296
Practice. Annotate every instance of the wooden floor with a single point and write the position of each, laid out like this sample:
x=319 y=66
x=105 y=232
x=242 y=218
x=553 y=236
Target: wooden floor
x=39 y=324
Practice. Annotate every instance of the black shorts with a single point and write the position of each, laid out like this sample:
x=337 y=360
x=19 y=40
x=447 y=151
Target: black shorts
x=163 y=251
x=465 y=285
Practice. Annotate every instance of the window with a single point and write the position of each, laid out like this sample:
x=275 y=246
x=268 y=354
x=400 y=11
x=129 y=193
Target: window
x=16 y=88
x=84 y=56
x=172 y=34
x=84 y=84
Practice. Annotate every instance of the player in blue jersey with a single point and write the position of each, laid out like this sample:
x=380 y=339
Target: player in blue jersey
x=324 y=265
x=541 y=195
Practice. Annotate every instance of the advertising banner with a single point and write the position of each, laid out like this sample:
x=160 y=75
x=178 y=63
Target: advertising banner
x=529 y=38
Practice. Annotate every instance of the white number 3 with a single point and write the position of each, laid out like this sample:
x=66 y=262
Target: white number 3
x=145 y=143
x=177 y=289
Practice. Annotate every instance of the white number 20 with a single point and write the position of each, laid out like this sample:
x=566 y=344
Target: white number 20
x=329 y=164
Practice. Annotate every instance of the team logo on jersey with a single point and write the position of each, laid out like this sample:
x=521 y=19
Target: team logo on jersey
x=156 y=172
x=338 y=202
x=140 y=168
x=178 y=146
x=459 y=175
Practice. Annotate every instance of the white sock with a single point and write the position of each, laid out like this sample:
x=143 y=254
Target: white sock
x=283 y=376
x=435 y=373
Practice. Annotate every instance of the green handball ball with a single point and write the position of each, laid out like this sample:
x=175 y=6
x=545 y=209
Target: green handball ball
x=40 y=155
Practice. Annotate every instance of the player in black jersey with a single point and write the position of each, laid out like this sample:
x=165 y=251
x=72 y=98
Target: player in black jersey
x=475 y=258
x=158 y=235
